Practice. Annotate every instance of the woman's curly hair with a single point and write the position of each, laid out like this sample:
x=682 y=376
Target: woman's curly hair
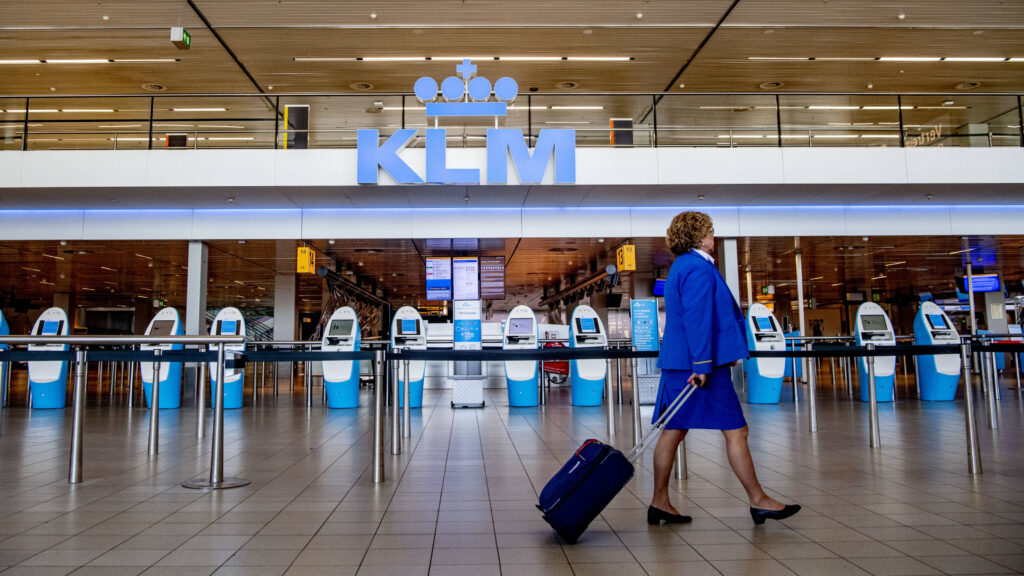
x=687 y=230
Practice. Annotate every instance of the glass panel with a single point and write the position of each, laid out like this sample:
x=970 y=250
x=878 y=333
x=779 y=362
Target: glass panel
x=12 y=122
x=960 y=120
x=101 y=123
x=213 y=122
x=717 y=120
x=828 y=120
x=592 y=116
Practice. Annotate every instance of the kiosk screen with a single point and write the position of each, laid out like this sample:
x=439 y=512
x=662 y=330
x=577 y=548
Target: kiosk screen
x=586 y=325
x=51 y=327
x=227 y=327
x=341 y=328
x=408 y=327
x=162 y=328
x=873 y=323
x=937 y=322
x=764 y=324
x=520 y=326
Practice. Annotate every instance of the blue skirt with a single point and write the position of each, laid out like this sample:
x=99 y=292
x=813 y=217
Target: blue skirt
x=714 y=406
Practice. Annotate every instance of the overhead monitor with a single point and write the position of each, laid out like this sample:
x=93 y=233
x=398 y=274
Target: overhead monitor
x=764 y=324
x=925 y=296
x=855 y=296
x=439 y=278
x=466 y=278
x=227 y=328
x=408 y=327
x=981 y=283
x=341 y=327
x=492 y=277
x=162 y=328
x=873 y=323
x=520 y=326
x=659 y=287
x=937 y=321
x=586 y=325
x=51 y=328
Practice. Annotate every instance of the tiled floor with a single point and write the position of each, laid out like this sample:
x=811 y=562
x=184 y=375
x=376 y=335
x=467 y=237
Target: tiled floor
x=460 y=499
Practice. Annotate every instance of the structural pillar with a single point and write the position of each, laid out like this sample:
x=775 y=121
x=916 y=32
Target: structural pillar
x=195 y=300
x=284 y=299
x=728 y=261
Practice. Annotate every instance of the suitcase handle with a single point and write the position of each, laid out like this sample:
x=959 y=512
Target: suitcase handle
x=636 y=451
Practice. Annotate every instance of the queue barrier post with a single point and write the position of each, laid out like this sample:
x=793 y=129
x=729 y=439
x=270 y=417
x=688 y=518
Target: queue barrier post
x=217 y=480
x=78 y=421
x=131 y=374
x=406 y=409
x=682 y=471
x=378 y=416
x=876 y=440
x=637 y=425
x=993 y=393
x=541 y=392
x=618 y=379
x=396 y=413
x=610 y=393
x=154 y=405
x=201 y=400
x=973 y=455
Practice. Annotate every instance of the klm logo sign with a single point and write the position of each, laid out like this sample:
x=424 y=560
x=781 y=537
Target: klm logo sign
x=469 y=95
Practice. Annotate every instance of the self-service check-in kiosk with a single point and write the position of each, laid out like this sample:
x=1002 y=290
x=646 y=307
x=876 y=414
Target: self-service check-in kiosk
x=228 y=322
x=408 y=331
x=165 y=323
x=874 y=327
x=341 y=377
x=5 y=330
x=587 y=376
x=764 y=375
x=939 y=374
x=520 y=333
x=47 y=380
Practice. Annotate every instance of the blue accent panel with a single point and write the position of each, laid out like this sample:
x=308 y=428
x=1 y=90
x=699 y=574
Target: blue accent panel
x=415 y=393
x=883 y=384
x=504 y=141
x=467 y=109
x=584 y=392
x=232 y=392
x=437 y=169
x=50 y=395
x=344 y=394
x=370 y=156
x=523 y=392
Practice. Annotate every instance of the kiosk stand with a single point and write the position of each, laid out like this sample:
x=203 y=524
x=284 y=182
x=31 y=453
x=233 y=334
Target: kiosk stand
x=764 y=375
x=468 y=380
x=874 y=327
x=165 y=323
x=47 y=381
x=228 y=322
x=341 y=377
x=408 y=331
x=520 y=333
x=587 y=376
x=938 y=374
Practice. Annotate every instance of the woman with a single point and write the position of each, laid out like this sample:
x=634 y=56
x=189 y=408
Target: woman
x=704 y=336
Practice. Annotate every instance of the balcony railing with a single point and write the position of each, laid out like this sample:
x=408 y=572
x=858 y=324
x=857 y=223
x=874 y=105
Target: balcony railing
x=251 y=121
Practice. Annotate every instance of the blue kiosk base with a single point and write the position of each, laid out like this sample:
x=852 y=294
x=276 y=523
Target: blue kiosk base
x=170 y=389
x=48 y=395
x=523 y=393
x=343 y=394
x=585 y=392
x=937 y=387
x=232 y=394
x=762 y=390
x=415 y=394
x=883 y=386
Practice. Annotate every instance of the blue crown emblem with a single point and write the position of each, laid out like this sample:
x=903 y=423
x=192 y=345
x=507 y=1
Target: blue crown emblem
x=466 y=96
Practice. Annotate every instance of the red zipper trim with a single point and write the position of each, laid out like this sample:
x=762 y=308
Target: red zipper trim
x=585 y=444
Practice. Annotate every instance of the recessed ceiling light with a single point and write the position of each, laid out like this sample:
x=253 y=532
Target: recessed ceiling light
x=970 y=85
x=909 y=59
x=639 y=15
x=976 y=59
x=771 y=85
x=373 y=15
x=21 y=61
x=198 y=109
x=587 y=31
x=79 y=61
x=901 y=16
x=322 y=59
x=145 y=60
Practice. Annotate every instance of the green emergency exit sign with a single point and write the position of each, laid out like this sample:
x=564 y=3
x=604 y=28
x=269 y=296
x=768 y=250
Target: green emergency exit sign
x=181 y=38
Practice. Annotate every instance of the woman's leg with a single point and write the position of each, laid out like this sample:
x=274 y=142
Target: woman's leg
x=664 y=456
x=743 y=466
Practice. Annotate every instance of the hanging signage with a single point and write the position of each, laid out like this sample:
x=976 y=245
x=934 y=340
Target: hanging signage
x=492 y=277
x=467 y=96
x=625 y=258
x=465 y=279
x=305 y=261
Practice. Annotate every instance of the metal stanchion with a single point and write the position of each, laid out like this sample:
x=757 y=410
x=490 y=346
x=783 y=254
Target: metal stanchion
x=273 y=374
x=894 y=386
x=1016 y=368
x=255 y=377
x=973 y=455
x=995 y=376
x=78 y=422
x=682 y=472
x=154 y=405
x=618 y=379
x=993 y=413
x=637 y=424
x=217 y=480
x=201 y=401
x=307 y=381
x=876 y=438
x=131 y=397
x=406 y=419
x=99 y=376
x=832 y=371
x=133 y=367
x=917 y=378
x=378 y=417
x=610 y=392
x=812 y=384
x=796 y=381
x=396 y=412
x=849 y=376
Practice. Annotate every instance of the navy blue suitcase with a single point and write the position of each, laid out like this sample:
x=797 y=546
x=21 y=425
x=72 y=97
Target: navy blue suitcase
x=585 y=485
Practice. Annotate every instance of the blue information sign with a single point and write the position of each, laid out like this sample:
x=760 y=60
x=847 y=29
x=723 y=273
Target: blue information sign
x=644 y=316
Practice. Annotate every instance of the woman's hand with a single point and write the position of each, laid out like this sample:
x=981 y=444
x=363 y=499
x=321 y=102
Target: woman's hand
x=697 y=380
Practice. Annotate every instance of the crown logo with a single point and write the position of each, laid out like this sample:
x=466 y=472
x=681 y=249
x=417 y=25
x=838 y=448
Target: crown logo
x=466 y=96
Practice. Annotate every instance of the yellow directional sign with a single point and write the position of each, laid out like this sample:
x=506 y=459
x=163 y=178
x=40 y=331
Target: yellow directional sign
x=305 y=261
x=625 y=258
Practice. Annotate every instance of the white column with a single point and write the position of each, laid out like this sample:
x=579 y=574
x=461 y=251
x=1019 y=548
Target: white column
x=800 y=298
x=195 y=298
x=284 y=291
x=728 y=260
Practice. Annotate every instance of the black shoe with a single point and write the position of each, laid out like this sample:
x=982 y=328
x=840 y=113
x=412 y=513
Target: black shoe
x=760 y=515
x=655 y=516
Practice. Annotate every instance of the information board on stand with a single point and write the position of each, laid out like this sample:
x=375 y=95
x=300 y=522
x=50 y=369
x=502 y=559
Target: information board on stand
x=468 y=379
x=644 y=321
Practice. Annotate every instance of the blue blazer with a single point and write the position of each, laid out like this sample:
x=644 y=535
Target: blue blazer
x=703 y=323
